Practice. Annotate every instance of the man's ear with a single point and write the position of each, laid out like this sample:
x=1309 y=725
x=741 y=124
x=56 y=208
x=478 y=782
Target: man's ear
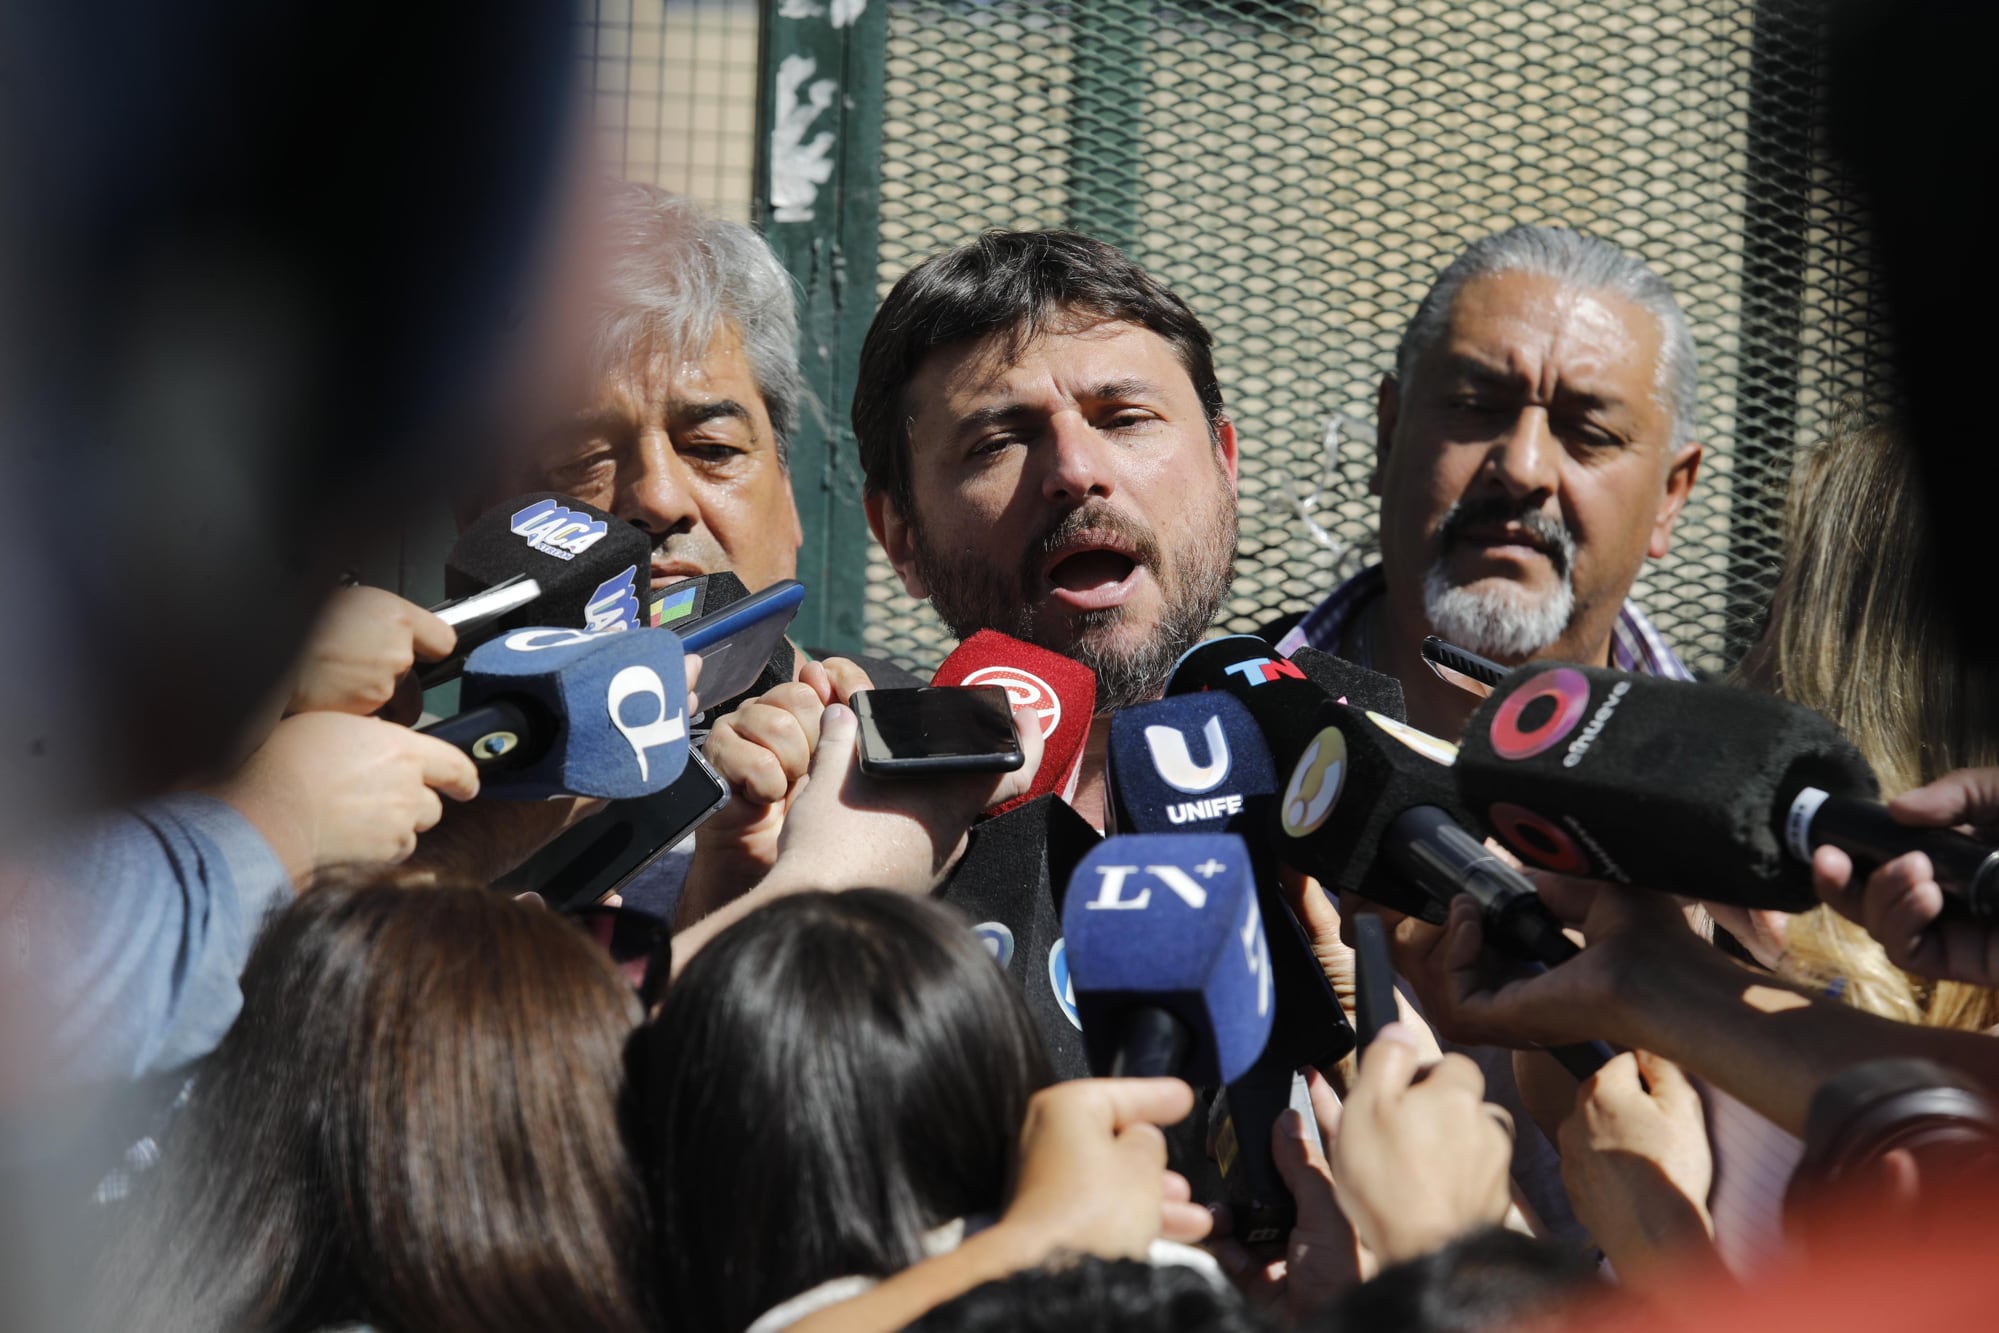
x=891 y=529
x=1685 y=466
x=1387 y=405
x=1225 y=446
x=796 y=534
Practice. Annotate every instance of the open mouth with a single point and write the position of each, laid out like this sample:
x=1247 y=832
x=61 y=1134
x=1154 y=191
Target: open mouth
x=1091 y=574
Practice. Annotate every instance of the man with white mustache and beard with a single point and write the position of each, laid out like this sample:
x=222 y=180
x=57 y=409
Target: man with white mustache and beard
x=1046 y=454
x=1535 y=446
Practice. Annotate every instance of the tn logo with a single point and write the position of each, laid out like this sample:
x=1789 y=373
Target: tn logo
x=1176 y=766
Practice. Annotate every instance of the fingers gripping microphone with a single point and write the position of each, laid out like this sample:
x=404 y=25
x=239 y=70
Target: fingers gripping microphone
x=1965 y=868
x=1675 y=785
x=562 y=712
x=1061 y=691
x=1168 y=958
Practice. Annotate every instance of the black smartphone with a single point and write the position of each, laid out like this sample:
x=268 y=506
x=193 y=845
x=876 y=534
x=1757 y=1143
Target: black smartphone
x=937 y=729
x=735 y=641
x=602 y=854
x=1374 y=977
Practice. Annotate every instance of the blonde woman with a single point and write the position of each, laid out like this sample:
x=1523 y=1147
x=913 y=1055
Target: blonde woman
x=1855 y=633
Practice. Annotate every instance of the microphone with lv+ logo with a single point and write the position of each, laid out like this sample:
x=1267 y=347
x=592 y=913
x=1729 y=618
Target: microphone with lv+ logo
x=1198 y=764
x=567 y=712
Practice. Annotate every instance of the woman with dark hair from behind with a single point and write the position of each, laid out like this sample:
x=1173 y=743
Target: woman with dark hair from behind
x=414 y=1124
x=832 y=1084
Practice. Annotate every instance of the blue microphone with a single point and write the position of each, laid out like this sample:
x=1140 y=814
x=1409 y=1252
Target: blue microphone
x=565 y=712
x=1192 y=764
x=1167 y=957
x=1198 y=762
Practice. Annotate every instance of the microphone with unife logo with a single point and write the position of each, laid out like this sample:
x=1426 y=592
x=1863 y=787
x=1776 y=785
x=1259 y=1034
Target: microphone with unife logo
x=1168 y=958
x=1692 y=788
x=1061 y=691
x=1196 y=763
x=553 y=711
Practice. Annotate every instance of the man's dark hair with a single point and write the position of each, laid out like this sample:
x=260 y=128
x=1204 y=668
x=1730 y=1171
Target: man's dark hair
x=1092 y=1295
x=833 y=1077
x=1487 y=1280
x=1016 y=284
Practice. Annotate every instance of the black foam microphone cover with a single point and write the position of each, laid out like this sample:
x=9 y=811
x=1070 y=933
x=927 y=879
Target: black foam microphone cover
x=1282 y=699
x=1675 y=785
x=1009 y=885
x=592 y=566
x=1357 y=773
x=1352 y=684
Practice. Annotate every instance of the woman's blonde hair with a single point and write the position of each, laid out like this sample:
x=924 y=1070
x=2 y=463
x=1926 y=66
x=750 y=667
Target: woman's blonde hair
x=1856 y=633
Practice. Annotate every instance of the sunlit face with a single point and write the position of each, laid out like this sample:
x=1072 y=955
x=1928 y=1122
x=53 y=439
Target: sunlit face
x=1072 y=495
x=683 y=447
x=1527 y=469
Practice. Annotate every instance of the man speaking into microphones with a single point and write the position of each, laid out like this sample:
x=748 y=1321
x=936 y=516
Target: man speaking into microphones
x=1046 y=454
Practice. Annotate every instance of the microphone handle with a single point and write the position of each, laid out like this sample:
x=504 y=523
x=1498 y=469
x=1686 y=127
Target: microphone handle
x=499 y=734
x=1441 y=857
x=1154 y=1044
x=1246 y=1110
x=1430 y=847
x=1965 y=868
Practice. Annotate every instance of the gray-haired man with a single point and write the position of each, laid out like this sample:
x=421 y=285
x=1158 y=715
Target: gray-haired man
x=1535 y=446
x=693 y=395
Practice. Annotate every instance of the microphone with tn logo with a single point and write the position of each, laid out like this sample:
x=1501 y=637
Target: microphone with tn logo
x=1061 y=691
x=563 y=712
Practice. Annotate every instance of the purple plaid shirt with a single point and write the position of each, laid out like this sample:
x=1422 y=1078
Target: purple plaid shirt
x=1635 y=643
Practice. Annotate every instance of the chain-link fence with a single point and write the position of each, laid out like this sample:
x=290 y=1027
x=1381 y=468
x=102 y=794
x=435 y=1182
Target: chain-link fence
x=673 y=86
x=1300 y=172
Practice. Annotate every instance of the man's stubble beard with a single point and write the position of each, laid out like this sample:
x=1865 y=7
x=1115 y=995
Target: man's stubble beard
x=971 y=594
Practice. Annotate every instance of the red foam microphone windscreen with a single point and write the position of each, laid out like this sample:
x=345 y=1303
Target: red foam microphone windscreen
x=1061 y=691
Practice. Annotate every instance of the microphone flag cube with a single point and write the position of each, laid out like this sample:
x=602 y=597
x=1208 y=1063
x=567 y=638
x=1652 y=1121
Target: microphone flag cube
x=1170 y=921
x=618 y=700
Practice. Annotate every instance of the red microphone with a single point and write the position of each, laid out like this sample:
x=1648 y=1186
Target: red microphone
x=1061 y=691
